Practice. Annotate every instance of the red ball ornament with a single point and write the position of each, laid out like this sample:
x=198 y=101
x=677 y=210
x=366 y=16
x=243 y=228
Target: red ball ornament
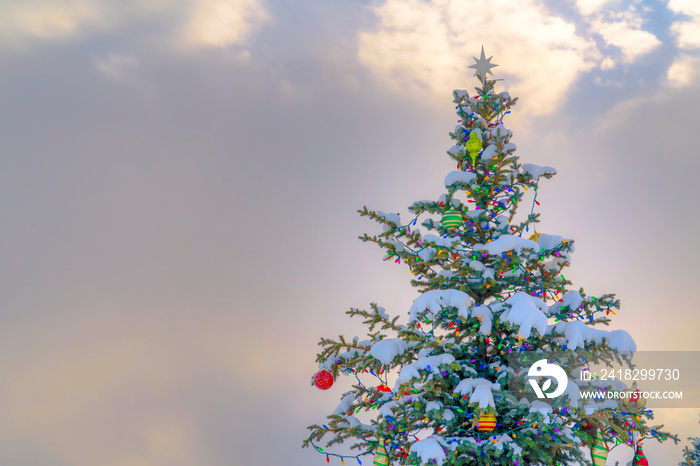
x=323 y=380
x=633 y=398
x=636 y=397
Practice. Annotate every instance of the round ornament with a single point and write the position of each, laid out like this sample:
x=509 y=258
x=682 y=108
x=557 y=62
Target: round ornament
x=323 y=380
x=486 y=423
x=633 y=397
x=636 y=398
x=452 y=219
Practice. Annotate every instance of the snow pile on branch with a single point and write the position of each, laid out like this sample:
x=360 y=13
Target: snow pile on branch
x=352 y=352
x=390 y=217
x=351 y=422
x=387 y=409
x=444 y=242
x=486 y=272
x=574 y=393
x=593 y=406
x=507 y=243
x=345 y=404
x=541 y=407
x=435 y=300
x=527 y=313
x=456 y=150
x=577 y=334
x=551 y=241
x=480 y=391
x=426 y=254
x=429 y=363
x=386 y=350
x=486 y=318
x=459 y=94
x=433 y=405
x=459 y=177
x=501 y=131
x=430 y=450
x=382 y=312
x=573 y=299
x=489 y=152
x=535 y=171
x=506 y=439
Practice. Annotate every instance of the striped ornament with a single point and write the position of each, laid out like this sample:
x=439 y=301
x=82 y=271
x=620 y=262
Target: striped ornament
x=599 y=450
x=380 y=456
x=451 y=219
x=639 y=458
x=486 y=423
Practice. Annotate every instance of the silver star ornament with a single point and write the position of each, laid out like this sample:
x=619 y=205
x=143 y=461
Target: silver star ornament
x=483 y=65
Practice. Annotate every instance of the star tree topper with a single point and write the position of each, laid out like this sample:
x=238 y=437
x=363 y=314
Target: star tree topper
x=483 y=65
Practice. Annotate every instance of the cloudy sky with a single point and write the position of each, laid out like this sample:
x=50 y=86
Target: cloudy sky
x=180 y=180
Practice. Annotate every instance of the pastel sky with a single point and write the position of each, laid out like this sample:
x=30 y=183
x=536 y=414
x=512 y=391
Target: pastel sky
x=180 y=180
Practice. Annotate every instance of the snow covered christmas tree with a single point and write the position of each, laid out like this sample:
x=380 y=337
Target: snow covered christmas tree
x=438 y=387
x=691 y=454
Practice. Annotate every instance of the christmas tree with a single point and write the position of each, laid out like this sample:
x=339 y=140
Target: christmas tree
x=439 y=388
x=691 y=454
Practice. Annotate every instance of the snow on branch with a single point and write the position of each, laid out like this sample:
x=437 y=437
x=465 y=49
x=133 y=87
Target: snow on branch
x=535 y=171
x=527 y=313
x=458 y=176
x=577 y=334
x=507 y=243
x=480 y=391
x=386 y=350
x=435 y=300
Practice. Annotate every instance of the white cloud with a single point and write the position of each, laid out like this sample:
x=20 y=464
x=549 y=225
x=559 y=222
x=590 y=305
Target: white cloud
x=631 y=40
x=588 y=7
x=687 y=33
x=45 y=19
x=224 y=22
x=201 y=22
x=682 y=71
x=687 y=30
x=619 y=27
x=429 y=45
x=687 y=7
x=607 y=64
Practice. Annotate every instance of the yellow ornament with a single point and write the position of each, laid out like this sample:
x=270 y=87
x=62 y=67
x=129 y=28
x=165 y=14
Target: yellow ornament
x=452 y=219
x=380 y=456
x=599 y=451
x=473 y=147
x=486 y=423
x=534 y=236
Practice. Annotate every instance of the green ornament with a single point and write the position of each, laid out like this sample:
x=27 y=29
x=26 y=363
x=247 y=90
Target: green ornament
x=473 y=147
x=381 y=458
x=452 y=219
